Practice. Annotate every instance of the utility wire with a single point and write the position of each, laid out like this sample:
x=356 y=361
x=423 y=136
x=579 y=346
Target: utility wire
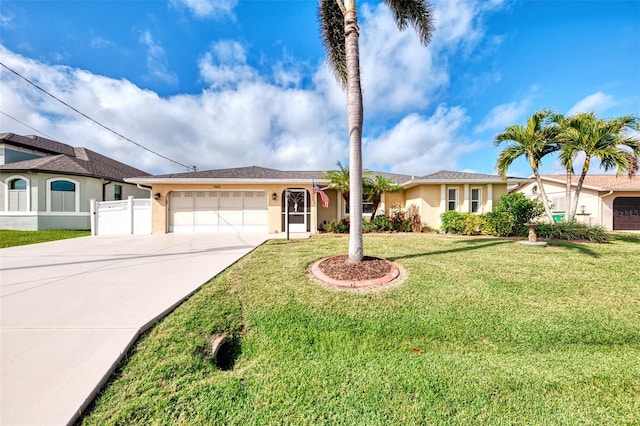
x=26 y=125
x=193 y=168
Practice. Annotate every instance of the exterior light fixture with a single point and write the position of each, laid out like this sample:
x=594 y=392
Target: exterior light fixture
x=274 y=196
x=157 y=195
x=583 y=209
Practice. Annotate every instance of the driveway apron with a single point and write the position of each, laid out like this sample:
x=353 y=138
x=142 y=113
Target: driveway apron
x=70 y=309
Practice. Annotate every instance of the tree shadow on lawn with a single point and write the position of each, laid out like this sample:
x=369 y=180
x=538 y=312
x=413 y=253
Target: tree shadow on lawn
x=470 y=244
x=582 y=248
x=480 y=243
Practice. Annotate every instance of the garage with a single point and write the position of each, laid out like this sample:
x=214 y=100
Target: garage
x=626 y=214
x=218 y=211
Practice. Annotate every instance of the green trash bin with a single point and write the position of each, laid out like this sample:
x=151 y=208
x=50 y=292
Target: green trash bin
x=558 y=217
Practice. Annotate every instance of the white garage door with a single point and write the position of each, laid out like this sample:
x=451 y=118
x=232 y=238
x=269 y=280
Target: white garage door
x=218 y=211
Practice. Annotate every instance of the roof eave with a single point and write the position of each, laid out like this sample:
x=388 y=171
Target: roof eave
x=147 y=181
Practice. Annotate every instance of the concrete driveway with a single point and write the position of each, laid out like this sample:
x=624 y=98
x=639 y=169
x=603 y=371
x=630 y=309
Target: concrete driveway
x=70 y=309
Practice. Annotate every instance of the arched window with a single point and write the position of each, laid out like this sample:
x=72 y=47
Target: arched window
x=17 y=194
x=62 y=195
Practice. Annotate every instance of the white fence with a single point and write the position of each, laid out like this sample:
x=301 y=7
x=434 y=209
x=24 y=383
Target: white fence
x=127 y=217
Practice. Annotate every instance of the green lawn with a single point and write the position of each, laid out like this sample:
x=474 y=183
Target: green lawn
x=483 y=331
x=20 y=238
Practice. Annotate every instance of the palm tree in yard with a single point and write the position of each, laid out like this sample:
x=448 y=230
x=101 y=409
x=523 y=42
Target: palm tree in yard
x=340 y=180
x=375 y=187
x=610 y=141
x=533 y=141
x=340 y=33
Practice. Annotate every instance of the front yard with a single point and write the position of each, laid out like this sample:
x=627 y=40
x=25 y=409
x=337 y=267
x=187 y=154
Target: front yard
x=483 y=331
x=9 y=238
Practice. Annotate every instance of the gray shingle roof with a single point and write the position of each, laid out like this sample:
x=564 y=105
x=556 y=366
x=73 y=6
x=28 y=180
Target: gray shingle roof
x=252 y=172
x=36 y=142
x=255 y=172
x=71 y=161
x=450 y=175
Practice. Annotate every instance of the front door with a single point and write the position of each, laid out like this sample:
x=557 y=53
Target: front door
x=296 y=210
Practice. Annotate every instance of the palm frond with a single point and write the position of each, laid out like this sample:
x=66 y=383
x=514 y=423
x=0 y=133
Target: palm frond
x=331 y=22
x=417 y=13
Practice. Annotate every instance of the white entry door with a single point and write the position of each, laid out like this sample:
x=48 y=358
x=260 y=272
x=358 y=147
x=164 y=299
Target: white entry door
x=297 y=210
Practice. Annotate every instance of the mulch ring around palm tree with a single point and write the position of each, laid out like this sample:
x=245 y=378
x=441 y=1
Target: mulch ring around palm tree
x=372 y=273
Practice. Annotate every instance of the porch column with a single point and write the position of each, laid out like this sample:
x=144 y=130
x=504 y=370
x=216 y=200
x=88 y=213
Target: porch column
x=443 y=198
x=313 y=227
x=489 y=197
x=465 y=199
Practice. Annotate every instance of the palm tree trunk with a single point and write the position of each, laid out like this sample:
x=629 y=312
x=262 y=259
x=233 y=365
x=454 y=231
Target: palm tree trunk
x=354 y=124
x=576 y=197
x=545 y=200
x=567 y=198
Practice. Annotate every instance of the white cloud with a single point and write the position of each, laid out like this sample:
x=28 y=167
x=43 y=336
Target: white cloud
x=255 y=123
x=504 y=115
x=226 y=65
x=157 y=60
x=6 y=20
x=420 y=145
x=597 y=102
x=398 y=73
x=292 y=117
x=207 y=8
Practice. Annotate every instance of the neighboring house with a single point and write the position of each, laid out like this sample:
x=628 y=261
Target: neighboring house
x=607 y=200
x=46 y=184
x=252 y=199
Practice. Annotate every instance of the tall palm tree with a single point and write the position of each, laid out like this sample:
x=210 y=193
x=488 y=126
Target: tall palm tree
x=607 y=140
x=340 y=33
x=534 y=141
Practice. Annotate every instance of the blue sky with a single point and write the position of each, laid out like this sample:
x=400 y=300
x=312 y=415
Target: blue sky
x=228 y=83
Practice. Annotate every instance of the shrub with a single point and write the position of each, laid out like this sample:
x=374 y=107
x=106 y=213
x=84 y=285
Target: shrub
x=339 y=226
x=413 y=216
x=381 y=223
x=451 y=222
x=511 y=214
x=573 y=231
x=428 y=229
x=399 y=221
x=454 y=222
x=498 y=223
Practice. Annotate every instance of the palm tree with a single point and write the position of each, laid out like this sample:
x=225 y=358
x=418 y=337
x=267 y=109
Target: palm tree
x=374 y=188
x=607 y=140
x=566 y=157
x=534 y=141
x=340 y=33
x=340 y=180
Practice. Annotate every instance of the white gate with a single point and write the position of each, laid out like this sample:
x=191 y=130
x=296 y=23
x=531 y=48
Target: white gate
x=127 y=217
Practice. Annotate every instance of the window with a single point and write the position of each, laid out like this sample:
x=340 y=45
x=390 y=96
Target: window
x=62 y=196
x=452 y=199
x=117 y=192
x=367 y=205
x=476 y=200
x=558 y=203
x=17 y=195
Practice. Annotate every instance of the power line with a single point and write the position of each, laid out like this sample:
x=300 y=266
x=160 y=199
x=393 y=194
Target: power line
x=193 y=168
x=26 y=125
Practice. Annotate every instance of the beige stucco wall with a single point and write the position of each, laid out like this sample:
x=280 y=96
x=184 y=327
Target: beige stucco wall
x=428 y=199
x=160 y=220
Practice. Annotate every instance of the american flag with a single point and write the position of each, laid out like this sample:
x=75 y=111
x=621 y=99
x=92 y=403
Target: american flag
x=323 y=196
